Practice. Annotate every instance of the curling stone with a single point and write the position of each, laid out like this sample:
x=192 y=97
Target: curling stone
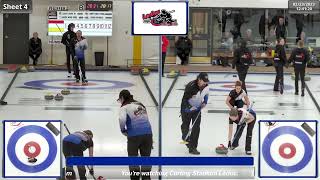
x=32 y=160
x=65 y=92
x=172 y=74
x=23 y=69
x=145 y=71
x=58 y=97
x=48 y=97
x=135 y=70
x=12 y=68
x=183 y=72
x=31 y=69
x=221 y=149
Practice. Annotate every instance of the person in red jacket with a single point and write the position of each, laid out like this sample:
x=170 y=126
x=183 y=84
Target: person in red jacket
x=165 y=43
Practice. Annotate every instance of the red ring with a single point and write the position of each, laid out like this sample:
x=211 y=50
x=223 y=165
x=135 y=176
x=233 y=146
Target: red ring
x=232 y=86
x=32 y=144
x=78 y=84
x=292 y=150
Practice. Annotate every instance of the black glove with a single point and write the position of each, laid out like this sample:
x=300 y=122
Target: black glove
x=229 y=144
x=91 y=171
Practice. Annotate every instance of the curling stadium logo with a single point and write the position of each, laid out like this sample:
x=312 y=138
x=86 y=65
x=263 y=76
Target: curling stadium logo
x=160 y=18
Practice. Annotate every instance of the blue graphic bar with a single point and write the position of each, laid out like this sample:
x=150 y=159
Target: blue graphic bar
x=169 y=161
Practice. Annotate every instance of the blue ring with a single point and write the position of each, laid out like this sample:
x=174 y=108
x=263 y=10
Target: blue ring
x=41 y=84
x=287 y=87
x=27 y=130
x=308 y=149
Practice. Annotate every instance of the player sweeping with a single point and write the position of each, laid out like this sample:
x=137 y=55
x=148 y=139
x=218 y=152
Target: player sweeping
x=80 y=47
x=73 y=145
x=241 y=117
x=194 y=99
x=135 y=125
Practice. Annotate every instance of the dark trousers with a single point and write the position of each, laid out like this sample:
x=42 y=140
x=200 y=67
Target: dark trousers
x=242 y=73
x=164 y=54
x=299 y=72
x=184 y=58
x=142 y=144
x=187 y=118
x=34 y=57
x=279 y=77
x=239 y=131
x=70 y=53
x=299 y=31
x=82 y=63
x=69 y=150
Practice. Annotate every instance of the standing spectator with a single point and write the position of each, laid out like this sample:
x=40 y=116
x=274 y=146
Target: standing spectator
x=69 y=40
x=281 y=29
x=165 y=43
x=35 y=48
x=183 y=46
x=238 y=21
x=299 y=26
x=262 y=23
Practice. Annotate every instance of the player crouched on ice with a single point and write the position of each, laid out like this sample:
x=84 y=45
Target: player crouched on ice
x=80 y=47
x=241 y=117
x=73 y=146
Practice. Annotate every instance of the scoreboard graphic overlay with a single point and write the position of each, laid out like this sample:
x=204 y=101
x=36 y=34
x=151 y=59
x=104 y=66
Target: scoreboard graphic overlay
x=288 y=149
x=32 y=148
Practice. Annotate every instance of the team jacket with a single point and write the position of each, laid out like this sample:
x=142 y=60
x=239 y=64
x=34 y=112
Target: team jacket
x=81 y=139
x=133 y=119
x=280 y=58
x=242 y=114
x=242 y=58
x=69 y=39
x=194 y=96
x=236 y=96
x=80 y=46
x=299 y=57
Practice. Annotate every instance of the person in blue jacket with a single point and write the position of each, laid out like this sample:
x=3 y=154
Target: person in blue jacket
x=80 y=46
x=73 y=146
x=135 y=125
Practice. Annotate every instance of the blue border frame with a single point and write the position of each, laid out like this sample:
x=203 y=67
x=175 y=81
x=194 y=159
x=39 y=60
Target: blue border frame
x=140 y=1
x=316 y=150
x=4 y=150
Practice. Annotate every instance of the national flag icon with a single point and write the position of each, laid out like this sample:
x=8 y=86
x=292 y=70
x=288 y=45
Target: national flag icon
x=55 y=26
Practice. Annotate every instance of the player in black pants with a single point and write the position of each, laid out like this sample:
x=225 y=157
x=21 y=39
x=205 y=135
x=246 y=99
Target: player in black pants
x=73 y=146
x=135 y=125
x=195 y=98
x=242 y=60
x=299 y=57
x=69 y=40
x=241 y=117
x=280 y=60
